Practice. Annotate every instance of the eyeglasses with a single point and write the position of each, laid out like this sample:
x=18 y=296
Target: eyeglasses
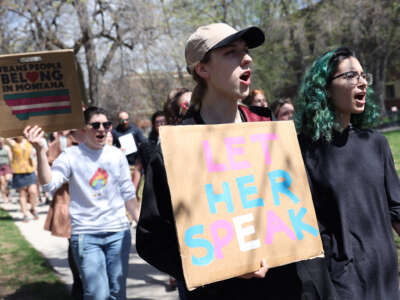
x=353 y=78
x=96 y=125
x=123 y=120
x=160 y=122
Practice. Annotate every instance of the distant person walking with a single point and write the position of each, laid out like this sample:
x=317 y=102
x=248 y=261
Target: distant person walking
x=24 y=178
x=126 y=129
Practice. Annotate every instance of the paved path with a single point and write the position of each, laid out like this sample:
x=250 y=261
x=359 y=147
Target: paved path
x=144 y=281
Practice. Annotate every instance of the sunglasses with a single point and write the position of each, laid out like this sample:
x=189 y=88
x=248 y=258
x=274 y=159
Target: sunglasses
x=96 y=125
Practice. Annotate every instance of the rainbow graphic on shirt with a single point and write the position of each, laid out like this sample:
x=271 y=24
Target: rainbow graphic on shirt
x=99 y=179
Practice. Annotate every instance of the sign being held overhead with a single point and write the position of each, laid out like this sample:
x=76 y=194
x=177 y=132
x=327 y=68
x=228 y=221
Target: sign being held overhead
x=239 y=193
x=43 y=88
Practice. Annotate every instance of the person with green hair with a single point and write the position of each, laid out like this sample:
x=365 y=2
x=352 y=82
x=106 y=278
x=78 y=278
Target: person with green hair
x=353 y=180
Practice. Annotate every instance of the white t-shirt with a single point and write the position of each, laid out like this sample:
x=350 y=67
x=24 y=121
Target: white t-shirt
x=99 y=184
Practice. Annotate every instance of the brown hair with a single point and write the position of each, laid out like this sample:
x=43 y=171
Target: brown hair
x=201 y=86
x=276 y=106
x=172 y=109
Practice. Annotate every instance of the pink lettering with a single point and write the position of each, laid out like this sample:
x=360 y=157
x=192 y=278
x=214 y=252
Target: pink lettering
x=234 y=151
x=220 y=242
x=275 y=224
x=211 y=166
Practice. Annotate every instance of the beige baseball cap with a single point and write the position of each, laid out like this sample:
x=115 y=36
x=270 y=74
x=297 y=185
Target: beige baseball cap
x=218 y=35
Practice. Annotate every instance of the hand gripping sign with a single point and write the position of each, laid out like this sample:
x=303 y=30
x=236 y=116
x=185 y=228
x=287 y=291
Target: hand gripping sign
x=239 y=193
x=43 y=88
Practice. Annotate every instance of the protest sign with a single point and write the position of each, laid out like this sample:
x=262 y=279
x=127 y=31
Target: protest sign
x=239 y=194
x=42 y=88
x=127 y=142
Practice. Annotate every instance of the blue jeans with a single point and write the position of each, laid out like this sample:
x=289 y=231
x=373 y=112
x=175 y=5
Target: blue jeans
x=103 y=260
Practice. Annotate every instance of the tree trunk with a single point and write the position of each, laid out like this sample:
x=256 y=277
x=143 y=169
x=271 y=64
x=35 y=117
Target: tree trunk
x=90 y=51
x=379 y=75
x=170 y=35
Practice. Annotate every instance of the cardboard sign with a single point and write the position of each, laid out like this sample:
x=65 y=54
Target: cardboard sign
x=239 y=193
x=42 y=88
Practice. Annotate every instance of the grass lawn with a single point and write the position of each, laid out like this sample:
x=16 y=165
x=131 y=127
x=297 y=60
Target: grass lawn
x=394 y=141
x=24 y=273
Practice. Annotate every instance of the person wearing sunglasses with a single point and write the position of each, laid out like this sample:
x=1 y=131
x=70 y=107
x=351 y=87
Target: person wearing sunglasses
x=354 y=184
x=101 y=191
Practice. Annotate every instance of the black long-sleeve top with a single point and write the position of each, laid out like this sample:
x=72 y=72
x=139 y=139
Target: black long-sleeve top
x=356 y=194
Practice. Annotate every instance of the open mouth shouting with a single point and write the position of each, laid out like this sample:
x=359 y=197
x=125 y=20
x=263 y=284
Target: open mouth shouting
x=360 y=98
x=245 y=78
x=100 y=137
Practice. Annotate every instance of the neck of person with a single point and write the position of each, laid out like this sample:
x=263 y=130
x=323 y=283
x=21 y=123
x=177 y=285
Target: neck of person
x=219 y=109
x=343 y=119
x=92 y=147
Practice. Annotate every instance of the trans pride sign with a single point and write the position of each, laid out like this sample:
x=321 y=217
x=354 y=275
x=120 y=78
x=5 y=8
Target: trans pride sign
x=239 y=194
x=42 y=88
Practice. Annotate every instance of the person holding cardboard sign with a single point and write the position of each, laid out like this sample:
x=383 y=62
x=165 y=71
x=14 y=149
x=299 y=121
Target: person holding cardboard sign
x=218 y=59
x=354 y=184
x=101 y=191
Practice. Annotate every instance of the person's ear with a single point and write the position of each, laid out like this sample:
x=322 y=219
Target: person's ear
x=79 y=134
x=202 y=70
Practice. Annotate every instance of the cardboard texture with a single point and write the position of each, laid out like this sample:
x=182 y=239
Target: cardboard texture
x=42 y=88
x=239 y=194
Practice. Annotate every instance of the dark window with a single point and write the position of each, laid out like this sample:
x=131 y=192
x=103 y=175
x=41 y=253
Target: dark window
x=389 y=91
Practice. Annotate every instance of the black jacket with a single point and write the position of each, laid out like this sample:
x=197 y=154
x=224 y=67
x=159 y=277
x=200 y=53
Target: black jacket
x=137 y=135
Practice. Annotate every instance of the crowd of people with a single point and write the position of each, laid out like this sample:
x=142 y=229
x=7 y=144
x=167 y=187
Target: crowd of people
x=93 y=176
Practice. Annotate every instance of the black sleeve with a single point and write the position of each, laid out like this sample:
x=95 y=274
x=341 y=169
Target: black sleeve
x=115 y=139
x=139 y=137
x=156 y=239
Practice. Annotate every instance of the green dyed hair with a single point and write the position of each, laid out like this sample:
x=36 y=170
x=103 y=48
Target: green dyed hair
x=315 y=115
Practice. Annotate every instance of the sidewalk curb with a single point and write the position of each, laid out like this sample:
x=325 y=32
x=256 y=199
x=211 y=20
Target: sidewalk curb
x=144 y=282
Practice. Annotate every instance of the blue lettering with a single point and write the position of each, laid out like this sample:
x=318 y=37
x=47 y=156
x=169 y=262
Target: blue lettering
x=224 y=197
x=247 y=191
x=194 y=243
x=281 y=187
x=299 y=225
